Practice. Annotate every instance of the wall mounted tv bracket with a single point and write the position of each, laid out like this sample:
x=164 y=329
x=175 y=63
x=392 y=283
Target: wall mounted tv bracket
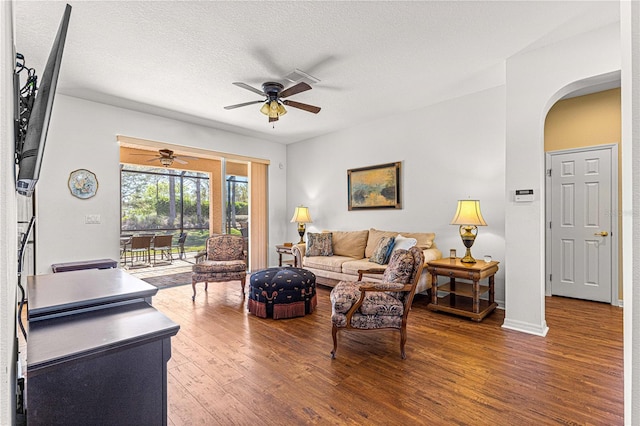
x=25 y=96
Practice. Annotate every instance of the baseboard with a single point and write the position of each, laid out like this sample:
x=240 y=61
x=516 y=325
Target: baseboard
x=525 y=327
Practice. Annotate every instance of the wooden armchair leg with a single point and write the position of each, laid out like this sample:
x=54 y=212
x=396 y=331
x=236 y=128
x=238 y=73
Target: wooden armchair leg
x=334 y=334
x=243 y=283
x=193 y=285
x=403 y=340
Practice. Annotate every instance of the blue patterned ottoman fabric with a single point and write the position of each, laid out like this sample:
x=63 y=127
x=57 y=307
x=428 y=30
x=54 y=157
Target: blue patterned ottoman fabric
x=282 y=293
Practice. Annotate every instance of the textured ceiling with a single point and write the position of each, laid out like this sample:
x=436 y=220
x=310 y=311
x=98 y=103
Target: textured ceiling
x=373 y=59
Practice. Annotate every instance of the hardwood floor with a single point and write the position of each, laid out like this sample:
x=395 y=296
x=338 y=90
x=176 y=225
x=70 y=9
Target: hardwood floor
x=229 y=367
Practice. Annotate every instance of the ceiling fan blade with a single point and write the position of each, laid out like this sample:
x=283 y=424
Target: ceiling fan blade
x=186 y=157
x=306 y=107
x=177 y=160
x=153 y=159
x=243 y=104
x=300 y=87
x=253 y=89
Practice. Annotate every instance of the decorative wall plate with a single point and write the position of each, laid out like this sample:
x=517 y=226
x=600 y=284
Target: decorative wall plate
x=83 y=184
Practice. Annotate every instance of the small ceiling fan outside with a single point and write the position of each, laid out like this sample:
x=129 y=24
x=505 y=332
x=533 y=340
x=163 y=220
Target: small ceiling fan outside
x=167 y=158
x=274 y=94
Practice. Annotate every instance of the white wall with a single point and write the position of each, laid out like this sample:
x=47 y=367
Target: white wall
x=8 y=221
x=449 y=151
x=535 y=81
x=82 y=135
x=630 y=41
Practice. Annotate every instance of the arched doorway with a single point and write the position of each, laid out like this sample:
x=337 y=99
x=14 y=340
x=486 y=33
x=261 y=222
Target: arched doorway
x=581 y=144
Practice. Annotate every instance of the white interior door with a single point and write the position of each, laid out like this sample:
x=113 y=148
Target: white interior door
x=581 y=225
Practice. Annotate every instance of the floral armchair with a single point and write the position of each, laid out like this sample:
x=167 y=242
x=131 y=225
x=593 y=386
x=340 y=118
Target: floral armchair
x=378 y=306
x=225 y=261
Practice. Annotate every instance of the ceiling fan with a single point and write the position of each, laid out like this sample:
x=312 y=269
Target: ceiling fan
x=274 y=93
x=167 y=158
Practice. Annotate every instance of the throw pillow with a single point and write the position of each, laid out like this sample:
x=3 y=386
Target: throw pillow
x=349 y=243
x=383 y=251
x=374 y=237
x=319 y=244
x=404 y=243
x=390 y=251
x=425 y=239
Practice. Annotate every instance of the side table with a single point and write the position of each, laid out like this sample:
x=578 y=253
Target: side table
x=463 y=298
x=282 y=249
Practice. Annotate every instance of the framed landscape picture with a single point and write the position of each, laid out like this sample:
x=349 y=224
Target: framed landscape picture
x=374 y=187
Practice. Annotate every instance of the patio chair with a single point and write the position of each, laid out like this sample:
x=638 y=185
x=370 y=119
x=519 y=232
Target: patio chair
x=124 y=244
x=140 y=246
x=162 y=244
x=180 y=244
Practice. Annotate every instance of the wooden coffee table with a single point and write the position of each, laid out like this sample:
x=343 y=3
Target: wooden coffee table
x=463 y=298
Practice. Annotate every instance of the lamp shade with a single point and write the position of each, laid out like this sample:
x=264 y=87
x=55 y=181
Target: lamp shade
x=468 y=213
x=301 y=215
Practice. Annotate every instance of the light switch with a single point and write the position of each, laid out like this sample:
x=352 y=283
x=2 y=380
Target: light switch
x=92 y=219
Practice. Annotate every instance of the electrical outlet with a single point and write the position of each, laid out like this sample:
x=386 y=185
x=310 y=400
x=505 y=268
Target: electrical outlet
x=92 y=219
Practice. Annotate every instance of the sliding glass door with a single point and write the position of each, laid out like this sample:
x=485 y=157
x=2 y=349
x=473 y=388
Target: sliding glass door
x=165 y=201
x=212 y=193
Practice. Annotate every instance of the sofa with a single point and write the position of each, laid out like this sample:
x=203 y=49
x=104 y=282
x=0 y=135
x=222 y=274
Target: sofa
x=352 y=251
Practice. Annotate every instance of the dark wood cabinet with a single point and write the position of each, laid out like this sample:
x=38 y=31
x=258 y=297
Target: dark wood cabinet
x=96 y=355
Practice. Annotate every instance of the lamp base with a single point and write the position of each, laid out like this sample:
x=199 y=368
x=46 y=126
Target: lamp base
x=301 y=231
x=467 y=257
x=468 y=238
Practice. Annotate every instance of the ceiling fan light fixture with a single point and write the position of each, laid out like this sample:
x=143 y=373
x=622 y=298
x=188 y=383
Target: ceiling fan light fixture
x=273 y=109
x=166 y=161
x=273 y=106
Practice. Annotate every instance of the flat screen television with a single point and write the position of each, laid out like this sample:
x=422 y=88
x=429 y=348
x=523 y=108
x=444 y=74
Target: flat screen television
x=30 y=152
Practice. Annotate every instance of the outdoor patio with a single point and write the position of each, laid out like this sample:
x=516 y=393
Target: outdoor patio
x=165 y=275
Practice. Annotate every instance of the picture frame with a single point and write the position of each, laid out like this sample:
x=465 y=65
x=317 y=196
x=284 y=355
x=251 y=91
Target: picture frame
x=374 y=187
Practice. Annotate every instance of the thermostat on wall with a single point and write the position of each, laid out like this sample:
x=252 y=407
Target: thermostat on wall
x=523 y=195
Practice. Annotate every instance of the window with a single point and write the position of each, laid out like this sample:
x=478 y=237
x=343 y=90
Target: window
x=237 y=208
x=164 y=200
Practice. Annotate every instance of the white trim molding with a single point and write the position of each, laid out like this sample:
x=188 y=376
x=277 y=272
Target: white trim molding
x=525 y=327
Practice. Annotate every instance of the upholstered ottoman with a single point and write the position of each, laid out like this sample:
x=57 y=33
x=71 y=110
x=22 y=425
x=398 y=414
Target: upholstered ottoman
x=282 y=293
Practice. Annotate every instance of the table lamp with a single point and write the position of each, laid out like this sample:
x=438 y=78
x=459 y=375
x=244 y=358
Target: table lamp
x=468 y=216
x=301 y=216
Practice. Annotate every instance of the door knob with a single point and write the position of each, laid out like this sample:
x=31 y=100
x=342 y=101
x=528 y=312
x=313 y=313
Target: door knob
x=602 y=234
